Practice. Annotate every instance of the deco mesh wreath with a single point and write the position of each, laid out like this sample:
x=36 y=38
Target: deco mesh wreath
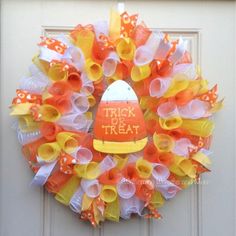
x=114 y=119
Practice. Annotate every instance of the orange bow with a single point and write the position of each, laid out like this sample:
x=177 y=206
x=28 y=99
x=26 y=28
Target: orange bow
x=53 y=44
x=24 y=97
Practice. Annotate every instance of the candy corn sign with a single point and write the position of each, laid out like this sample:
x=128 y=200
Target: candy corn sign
x=119 y=125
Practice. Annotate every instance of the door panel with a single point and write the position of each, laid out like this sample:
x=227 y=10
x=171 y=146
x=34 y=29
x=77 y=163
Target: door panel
x=202 y=210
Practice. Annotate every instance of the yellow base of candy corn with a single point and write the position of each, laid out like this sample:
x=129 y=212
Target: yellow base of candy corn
x=119 y=147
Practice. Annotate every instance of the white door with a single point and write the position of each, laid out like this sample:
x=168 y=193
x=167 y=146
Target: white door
x=204 y=210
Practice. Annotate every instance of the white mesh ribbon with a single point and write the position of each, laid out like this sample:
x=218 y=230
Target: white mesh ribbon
x=36 y=83
x=76 y=200
x=160 y=172
x=80 y=103
x=163 y=49
x=133 y=157
x=88 y=125
x=195 y=109
x=179 y=51
x=129 y=206
x=43 y=173
x=100 y=27
x=182 y=147
x=87 y=85
x=48 y=55
x=75 y=57
x=167 y=188
x=75 y=122
x=64 y=39
x=82 y=155
x=110 y=63
x=91 y=187
x=145 y=53
x=167 y=109
x=40 y=161
x=106 y=164
x=38 y=74
x=159 y=86
x=126 y=188
x=188 y=69
x=28 y=137
x=206 y=151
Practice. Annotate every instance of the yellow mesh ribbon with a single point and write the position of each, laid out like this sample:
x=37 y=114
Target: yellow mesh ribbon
x=178 y=83
x=139 y=73
x=170 y=122
x=20 y=109
x=42 y=65
x=144 y=168
x=88 y=171
x=89 y=115
x=114 y=24
x=163 y=142
x=67 y=141
x=27 y=123
x=85 y=40
x=49 y=151
x=182 y=167
x=86 y=202
x=94 y=70
x=56 y=73
x=157 y=200
x=112 y=211
x=125 y=48
x=49 y=113
x=108 y=193
x=202 y=159
x=201 y=127
x=65 y=194
x=149 y=115
x=120 y=161
x=91 y=100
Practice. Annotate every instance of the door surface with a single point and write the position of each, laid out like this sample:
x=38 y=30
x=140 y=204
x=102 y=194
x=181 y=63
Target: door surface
x=207 y=209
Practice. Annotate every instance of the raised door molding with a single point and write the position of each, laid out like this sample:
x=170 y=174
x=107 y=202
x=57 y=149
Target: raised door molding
x=191 y=198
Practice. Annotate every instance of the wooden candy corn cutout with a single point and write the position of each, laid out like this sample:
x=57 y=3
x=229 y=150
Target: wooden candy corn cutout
x=119 y=124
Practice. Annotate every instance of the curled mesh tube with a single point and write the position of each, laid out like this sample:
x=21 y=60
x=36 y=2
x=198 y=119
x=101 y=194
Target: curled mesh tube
x=28 y=137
